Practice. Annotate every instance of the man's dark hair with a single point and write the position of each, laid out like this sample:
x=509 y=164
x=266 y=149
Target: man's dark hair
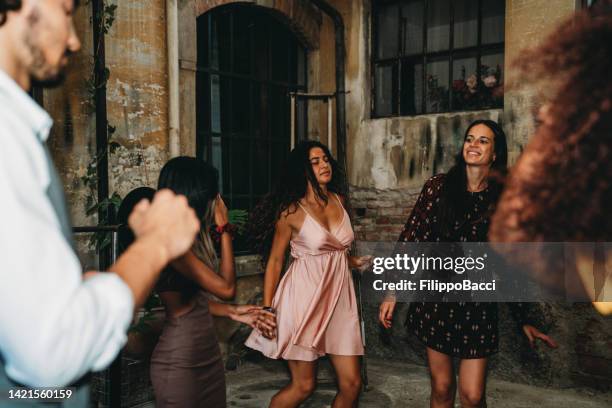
x=13 y=5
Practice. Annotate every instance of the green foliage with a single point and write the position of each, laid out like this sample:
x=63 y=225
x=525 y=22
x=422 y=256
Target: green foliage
x=102 y=239
x=238 y=218
x=93 y=83
x=108 y=17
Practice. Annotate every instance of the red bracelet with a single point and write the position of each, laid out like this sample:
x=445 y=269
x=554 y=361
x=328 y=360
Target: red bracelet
x=221 y=229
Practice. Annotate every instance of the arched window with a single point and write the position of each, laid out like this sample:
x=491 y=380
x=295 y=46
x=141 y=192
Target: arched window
x=248 y=62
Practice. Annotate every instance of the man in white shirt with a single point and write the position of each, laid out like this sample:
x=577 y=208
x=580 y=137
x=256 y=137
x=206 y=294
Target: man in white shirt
x=56 y=326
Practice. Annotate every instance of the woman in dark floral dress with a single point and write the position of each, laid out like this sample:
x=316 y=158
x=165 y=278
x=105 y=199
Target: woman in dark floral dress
x=455 y=207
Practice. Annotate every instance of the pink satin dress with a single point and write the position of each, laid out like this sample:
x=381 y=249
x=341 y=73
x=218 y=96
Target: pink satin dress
x=316 y=308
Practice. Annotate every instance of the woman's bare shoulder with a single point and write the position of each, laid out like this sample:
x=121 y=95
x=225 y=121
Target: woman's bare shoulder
x=293 y=215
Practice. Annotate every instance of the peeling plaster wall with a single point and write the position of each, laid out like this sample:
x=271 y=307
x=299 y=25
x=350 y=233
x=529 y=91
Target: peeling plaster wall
x=137 y=94
x=72 y=140
x=136 y=103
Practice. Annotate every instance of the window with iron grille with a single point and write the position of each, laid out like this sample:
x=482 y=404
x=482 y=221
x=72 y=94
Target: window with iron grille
x=431 y=56
x=247 y=64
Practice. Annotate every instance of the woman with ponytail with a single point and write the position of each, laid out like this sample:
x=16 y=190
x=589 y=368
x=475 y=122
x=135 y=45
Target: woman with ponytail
x=186 y=365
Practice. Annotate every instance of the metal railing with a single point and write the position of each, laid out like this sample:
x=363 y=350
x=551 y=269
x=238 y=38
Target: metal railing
x=106 y=257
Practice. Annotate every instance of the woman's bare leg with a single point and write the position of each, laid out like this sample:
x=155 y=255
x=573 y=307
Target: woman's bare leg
x=442 y=379
x=472 y=383
x=348 y=372
x=303 y=381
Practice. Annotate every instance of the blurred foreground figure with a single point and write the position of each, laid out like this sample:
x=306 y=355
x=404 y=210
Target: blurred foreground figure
x=561 y=187
x=55 y=324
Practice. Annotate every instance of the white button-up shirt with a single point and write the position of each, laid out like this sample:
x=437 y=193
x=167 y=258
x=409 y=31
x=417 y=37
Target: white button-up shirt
x=54 y=327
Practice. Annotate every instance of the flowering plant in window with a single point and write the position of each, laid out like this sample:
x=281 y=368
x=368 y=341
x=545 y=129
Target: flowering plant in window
x=437 y=95
x=471 y=93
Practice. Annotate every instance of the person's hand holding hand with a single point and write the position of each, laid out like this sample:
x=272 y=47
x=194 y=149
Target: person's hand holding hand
x=266 y=323
x=246 y=314
x=168 y=221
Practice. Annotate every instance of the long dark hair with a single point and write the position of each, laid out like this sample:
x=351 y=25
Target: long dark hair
x=453 y=193
x=14 y=5
x=126 y=236
x=199 y=182
x=291 y=186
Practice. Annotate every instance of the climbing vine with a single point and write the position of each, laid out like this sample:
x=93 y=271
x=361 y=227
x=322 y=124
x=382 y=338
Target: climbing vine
x=96 y=81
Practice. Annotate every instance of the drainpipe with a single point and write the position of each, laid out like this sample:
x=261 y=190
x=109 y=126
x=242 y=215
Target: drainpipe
x=173 y=78
x=340 y=71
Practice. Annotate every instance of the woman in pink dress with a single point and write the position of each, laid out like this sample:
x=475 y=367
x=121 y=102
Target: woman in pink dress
x=314 y=301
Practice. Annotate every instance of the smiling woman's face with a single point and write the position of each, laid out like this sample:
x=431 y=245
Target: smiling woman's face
x=321 y=166
x=479 y=147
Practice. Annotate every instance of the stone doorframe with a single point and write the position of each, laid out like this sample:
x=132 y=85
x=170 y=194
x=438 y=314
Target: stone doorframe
x=302 y=19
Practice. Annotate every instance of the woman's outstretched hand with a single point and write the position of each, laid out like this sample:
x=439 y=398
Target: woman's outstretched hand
x=361 y=263
x=532 y=334
x=221 y=217
x=385 y=313
x=246 y=314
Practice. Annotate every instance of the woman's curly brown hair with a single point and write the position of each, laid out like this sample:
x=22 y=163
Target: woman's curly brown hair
x=561 y=186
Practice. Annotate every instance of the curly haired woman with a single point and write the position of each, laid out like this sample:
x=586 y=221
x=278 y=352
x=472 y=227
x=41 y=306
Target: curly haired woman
x=561 y=186
x=315 y=304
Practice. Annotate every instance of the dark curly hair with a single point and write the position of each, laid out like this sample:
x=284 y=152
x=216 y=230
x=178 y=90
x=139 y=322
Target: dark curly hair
x=453 y=193
x=561 y=187
x=291 y=186
x=14 y=5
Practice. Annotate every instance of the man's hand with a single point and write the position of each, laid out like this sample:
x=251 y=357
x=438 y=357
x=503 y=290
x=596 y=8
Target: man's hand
x=167 y=221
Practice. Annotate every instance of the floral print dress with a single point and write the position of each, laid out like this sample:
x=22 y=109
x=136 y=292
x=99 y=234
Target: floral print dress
x=467 y=329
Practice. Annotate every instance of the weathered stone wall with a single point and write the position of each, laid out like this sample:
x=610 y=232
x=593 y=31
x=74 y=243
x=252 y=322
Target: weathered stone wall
x=403 y=154
x=527 y=23
x=137 y=94
x=136 y=103
x=72 y=140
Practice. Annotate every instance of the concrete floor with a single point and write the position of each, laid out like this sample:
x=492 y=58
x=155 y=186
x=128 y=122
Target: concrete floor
x=395 y=384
